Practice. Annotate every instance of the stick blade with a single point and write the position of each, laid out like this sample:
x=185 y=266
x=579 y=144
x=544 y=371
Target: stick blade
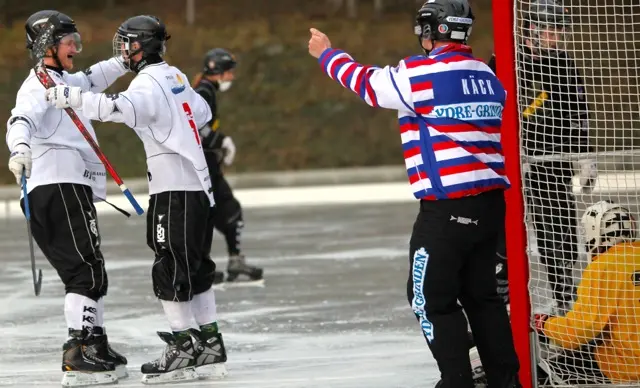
x=44 y=40
x=37 y=286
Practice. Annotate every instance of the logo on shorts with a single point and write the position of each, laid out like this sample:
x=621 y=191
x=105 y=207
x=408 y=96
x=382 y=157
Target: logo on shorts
x=160 y=231
x=93 y=226
x=463 y=220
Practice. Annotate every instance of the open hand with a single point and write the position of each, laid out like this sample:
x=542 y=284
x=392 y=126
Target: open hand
x=318 y=43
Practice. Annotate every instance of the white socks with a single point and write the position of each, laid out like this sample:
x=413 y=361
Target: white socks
x=100 y=316
x=178 y=314
x=204 y=307
x=81 y=312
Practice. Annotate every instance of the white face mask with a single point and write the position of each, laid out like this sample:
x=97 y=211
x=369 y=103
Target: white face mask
x=224 y=85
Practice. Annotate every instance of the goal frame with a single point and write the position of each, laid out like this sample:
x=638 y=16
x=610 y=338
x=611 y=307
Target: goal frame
x=516 y=235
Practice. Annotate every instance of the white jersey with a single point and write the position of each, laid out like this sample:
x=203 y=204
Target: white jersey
x=166 y=113
x=59 y=152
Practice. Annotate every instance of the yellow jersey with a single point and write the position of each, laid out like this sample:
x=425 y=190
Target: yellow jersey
x=608 y=307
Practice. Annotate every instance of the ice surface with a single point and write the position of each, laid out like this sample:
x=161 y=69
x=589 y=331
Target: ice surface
x=332 y=313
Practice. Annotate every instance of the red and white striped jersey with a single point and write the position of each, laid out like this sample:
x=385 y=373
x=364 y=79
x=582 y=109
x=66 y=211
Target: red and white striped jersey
x=450 y=113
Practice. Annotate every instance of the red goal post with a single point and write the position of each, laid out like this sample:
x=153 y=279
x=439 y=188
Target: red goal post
x=604 y=43
x=503 y=17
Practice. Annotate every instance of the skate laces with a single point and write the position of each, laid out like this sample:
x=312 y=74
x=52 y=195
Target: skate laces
x=91 y=352
x=169 y=350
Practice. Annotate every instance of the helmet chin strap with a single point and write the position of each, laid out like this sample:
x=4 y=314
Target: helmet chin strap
x=135 y=66
x=56 y=59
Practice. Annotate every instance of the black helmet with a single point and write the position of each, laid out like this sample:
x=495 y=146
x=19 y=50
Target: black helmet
x=548 y=13
x=444 y=20
x=542 y=15
x=38 y=20
x=148 y=31
x=217 y=61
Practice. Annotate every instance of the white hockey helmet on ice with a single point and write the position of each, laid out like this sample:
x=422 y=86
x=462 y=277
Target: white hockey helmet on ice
x=606 y=224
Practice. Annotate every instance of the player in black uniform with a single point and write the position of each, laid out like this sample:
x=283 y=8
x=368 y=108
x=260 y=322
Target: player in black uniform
x=554 y=120
x=217 y=75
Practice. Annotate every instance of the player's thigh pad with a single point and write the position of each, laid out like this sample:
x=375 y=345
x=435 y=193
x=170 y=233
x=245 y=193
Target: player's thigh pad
x=176 y=227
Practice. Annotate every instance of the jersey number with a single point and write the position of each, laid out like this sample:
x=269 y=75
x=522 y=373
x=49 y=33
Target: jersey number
x=192 y=124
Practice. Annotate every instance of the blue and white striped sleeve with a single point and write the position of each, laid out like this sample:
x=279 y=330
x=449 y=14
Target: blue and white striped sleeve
x=387 y=87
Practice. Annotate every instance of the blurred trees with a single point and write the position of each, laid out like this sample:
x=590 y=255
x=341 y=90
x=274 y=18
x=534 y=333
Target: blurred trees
x=283 y=112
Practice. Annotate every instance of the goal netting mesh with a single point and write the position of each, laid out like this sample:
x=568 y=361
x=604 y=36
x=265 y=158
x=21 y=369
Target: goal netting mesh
x=578 y=88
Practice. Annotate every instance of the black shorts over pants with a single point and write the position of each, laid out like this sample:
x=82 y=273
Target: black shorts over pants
x=176 y=231
x=65 y=227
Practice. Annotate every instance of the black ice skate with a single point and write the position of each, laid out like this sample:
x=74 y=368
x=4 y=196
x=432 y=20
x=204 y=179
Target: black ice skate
x=237 y=266
x=82 y=364
x=176 y=364
x=107 y=353
x=210 y=354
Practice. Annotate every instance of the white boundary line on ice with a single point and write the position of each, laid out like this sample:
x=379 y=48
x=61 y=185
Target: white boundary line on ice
x=273 y=197
x=394 y=192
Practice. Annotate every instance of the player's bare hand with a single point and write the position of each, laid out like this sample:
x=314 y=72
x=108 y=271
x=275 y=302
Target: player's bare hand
x=318 y=43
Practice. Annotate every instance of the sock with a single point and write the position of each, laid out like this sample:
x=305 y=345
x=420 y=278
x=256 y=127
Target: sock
x=80 y=312
x=100 y=315
x=209 y=327
x=178 y=314
x=203 y=306
x=181 y=335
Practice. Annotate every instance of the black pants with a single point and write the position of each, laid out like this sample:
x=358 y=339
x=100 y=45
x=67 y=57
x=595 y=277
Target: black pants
x=227 y=217
x=176 y=225
x=452 y=257
x=64 y=224
x=552 y=206
x=502 y=269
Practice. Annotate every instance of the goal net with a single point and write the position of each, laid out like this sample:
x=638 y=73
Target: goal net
x=579 y=108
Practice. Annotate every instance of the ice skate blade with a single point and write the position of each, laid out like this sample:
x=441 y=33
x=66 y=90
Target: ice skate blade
x=175 y=376
x=84 y=379
x=212 y=371
x=121 y=371
x=238 y=284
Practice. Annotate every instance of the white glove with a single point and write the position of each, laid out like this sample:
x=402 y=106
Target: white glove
x=63 y=96
x=229 y=150
x=588 y=175
x=20 y=161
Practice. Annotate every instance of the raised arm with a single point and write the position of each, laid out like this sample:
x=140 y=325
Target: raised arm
x=387 y=87
x=98 y=77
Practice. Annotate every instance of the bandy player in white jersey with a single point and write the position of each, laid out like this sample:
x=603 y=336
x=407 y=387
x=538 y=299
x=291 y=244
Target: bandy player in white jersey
x=166 y=113
x=64 y=177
